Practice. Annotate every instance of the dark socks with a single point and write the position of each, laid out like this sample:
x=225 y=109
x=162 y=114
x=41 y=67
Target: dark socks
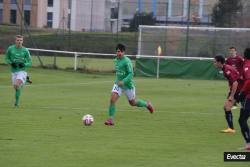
x=229 y=118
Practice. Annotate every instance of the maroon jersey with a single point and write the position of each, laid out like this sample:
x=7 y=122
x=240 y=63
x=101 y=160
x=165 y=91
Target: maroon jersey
x=237 y=63
x=246 y=75
x=232 y=75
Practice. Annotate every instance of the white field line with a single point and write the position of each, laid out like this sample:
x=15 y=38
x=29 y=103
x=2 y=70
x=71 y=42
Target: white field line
x=174 y=112
x=71 y=83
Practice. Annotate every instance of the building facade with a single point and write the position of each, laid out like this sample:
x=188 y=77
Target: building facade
x=78 y=15
x=31 y=11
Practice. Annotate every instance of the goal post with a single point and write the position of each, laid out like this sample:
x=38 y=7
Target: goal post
x=203 y=41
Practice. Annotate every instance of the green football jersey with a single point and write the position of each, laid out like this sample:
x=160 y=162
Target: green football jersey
x=18 y=56
x=124 y=72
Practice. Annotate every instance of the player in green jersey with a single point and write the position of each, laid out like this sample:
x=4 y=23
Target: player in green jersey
x=124 y=83
x=16 y=56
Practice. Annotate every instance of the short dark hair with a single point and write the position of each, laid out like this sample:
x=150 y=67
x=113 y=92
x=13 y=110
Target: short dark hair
x=121 y=46
x=247 y=53
x=232 y=47
x=220 y=58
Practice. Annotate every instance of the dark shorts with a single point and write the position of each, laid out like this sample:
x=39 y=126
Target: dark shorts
x=246 y=104
x=235 y=95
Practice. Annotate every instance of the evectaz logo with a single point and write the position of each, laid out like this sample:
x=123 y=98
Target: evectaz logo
x=239 y=156
x=236 y=156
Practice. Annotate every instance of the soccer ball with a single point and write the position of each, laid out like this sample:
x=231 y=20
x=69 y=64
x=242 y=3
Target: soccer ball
x=87 y=119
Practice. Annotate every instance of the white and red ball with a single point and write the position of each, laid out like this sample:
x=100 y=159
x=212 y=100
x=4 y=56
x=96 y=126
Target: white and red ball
x=87 y=119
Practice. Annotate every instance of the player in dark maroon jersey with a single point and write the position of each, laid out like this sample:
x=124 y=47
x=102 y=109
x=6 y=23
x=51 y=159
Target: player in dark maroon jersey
x=236 y=62
x=235 y=83
x=244 y=98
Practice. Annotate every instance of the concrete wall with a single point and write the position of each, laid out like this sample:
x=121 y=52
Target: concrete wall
x=42 y=13
x=6 y=11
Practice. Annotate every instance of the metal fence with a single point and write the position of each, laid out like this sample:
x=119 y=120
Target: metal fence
x=95 y=26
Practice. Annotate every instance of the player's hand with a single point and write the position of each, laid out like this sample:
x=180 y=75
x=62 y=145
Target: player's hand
x=120 y=84
x=230 y=98
x=13 y=65
x=21 y=65
x=241 y=97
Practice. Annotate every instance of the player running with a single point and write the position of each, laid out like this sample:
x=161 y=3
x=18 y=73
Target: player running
x=124 y=83
x=16 y=56
x=244 y=98
x=235 y=83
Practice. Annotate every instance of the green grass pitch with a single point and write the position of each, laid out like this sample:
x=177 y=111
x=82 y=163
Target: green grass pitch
x=47 y=130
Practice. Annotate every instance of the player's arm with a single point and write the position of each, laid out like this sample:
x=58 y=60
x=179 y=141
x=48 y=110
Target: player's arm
x=129 y=69
x=241 y=64
x=7 y=57
x=245 y=88
x=29 y=63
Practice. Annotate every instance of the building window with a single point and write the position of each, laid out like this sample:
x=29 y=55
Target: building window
x=50 y=3
x=27 y=17
x=13 y=1
x=27 y=2
x=1 y=1
x=13 y=16
x=50 y=19
x=114 y=13
x=1 y=15
x=69 y=5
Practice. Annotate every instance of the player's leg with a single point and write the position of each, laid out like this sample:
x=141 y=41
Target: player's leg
x=28 y=79
x=14 y=80
x=244 y=115
x=17 y=87
x=130 y=94
x=229 y=116
x=115 y=94
x=20 y=80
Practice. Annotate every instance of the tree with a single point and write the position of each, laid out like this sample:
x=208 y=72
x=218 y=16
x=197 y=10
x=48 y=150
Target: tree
x=225 y=13
x=141 y=19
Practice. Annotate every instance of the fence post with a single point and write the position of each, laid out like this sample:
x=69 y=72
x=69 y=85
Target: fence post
x=158 y=64
x=75 y=60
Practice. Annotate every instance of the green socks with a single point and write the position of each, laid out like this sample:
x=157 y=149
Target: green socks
x=18 y=92
x=112 y=107
x=111 y=110
x=141 y=103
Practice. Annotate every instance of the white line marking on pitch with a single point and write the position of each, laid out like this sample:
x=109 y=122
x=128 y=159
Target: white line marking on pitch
x=174 y=112
x=72 y=83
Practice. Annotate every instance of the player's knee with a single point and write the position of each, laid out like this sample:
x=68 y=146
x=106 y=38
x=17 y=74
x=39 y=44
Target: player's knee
x=226 y=108
x=112 y=101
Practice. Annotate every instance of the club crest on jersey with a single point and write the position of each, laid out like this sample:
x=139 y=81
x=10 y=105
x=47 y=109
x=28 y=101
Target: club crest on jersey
x=245 y=69
x=13 y=51
x=121 y=64
x=22 y=53
x=228 y=72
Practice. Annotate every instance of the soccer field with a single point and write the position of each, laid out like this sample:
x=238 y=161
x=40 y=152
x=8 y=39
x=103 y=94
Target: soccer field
x=47 y=130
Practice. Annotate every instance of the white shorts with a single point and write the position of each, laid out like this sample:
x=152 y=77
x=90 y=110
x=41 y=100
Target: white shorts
x=19 y=75
x=130 y=93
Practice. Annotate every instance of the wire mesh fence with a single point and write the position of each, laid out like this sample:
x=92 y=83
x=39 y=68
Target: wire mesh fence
x=96 y=26
x=202 y=42
x=72 y=60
